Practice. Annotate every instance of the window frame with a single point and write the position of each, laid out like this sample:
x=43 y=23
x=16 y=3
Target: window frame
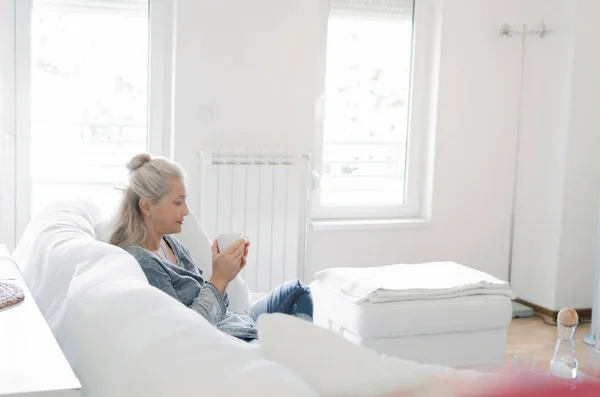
x=22 y=103
x=15 y=148
x=7 y=123
x=419 y=127
x=160 y=74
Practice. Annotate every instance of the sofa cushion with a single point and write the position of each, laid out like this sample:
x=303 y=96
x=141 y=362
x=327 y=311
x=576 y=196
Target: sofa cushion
x=335 y=367
x=57 y=242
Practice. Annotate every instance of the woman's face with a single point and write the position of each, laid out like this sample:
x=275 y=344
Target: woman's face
x=167 y=215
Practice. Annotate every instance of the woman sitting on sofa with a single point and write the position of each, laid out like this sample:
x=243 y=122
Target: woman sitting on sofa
x=152 y=211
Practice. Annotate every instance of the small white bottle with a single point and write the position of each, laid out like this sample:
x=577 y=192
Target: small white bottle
x=564 y=363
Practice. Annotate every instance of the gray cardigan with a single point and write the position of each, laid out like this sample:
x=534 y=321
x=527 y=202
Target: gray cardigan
x=184 y=282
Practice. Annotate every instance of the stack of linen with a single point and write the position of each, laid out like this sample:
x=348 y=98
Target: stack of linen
x=403 y=282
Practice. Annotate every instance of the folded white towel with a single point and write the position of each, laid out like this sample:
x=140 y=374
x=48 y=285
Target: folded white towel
x=435 y=280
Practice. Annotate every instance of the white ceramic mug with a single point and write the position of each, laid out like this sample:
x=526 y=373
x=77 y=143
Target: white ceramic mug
x=224 y=240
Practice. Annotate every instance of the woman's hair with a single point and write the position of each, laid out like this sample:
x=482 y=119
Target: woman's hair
x=149 y=178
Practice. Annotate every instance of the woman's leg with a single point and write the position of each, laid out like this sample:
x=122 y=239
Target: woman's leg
x=292 y=297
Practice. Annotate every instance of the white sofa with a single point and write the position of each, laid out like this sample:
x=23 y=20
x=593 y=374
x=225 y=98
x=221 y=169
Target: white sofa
x=126 y=338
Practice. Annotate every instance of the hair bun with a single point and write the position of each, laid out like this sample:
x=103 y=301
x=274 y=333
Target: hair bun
x=138 y=160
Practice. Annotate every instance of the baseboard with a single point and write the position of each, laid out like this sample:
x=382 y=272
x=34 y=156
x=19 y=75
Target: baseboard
x=550 y=315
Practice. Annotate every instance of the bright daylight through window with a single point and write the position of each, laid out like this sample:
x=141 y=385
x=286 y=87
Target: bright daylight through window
x=89 y=98
x=367 y=92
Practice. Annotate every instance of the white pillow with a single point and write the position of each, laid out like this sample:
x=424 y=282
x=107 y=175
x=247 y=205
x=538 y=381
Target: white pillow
x=334 y=366
x=104 y=229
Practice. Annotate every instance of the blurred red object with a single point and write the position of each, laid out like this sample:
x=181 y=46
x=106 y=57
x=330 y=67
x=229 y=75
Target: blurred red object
x=512 y=386
x=546 y=387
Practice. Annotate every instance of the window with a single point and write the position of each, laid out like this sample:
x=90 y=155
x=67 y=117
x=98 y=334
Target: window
x=89 y=96
x=366 y=137
x=77 y=80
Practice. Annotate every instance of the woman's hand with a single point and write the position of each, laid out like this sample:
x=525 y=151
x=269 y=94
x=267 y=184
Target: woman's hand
x=227 y=264
x=247 y=245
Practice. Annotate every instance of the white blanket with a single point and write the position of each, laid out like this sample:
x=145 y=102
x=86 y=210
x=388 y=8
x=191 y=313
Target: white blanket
x=435 y=280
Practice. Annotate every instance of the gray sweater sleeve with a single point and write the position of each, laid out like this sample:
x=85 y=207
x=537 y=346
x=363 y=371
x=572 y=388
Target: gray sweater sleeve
x=208 y=302
x=225 y=298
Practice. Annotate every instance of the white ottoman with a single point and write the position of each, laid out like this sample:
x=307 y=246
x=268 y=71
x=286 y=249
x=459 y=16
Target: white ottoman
x=458 y=332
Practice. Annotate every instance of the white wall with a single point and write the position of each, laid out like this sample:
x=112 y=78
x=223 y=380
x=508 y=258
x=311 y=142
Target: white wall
x=542 y=153
x=559 y=177
x=247 y=74
x=226 y=95
x=582 y=175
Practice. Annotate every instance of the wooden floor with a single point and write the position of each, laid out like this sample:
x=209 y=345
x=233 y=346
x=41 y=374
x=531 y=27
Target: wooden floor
x=528 y=337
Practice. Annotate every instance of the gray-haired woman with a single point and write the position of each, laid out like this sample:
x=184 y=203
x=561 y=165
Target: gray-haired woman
x=152 y=211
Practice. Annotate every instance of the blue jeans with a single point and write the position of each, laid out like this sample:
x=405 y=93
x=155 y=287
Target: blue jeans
x=292 y=297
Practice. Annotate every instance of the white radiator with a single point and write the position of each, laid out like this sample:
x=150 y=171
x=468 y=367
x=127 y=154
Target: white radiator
x=265 y=196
